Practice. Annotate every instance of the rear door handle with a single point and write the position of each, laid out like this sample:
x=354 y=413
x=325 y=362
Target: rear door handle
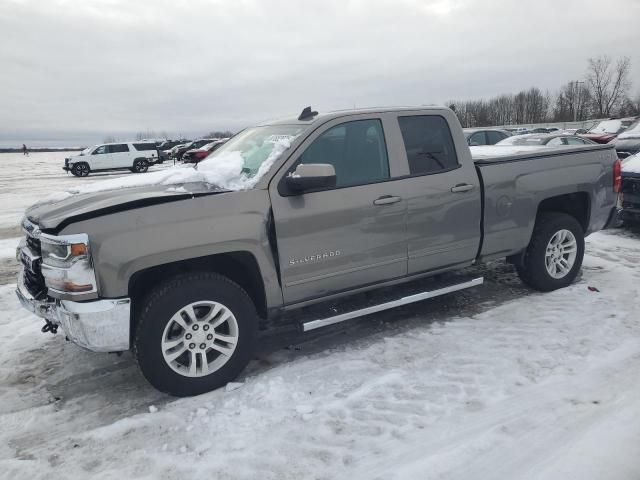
x=386 y=200
x=462 y=187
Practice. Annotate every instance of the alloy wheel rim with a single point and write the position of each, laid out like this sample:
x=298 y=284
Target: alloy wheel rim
x=200 y=338
x=561 y=253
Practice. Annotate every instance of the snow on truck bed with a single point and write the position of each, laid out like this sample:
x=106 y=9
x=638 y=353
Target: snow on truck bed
x=498 y=153
x=493 y=383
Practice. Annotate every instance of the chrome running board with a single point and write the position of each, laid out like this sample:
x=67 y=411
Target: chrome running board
x=323 y=322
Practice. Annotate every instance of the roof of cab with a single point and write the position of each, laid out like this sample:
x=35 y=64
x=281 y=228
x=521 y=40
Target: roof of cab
x=325 y=116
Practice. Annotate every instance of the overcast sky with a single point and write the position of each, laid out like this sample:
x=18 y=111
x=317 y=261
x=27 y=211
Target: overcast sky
x=79 y=70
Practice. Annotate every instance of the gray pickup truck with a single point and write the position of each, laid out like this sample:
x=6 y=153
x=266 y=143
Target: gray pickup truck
x=323 y=208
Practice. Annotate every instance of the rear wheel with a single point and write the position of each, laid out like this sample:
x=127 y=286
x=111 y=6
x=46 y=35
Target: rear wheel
x=196 y=333
x=81 y=169
x=555 y=252
x=140 y=165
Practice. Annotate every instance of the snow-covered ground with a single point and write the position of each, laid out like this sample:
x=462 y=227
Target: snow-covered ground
x=493 y=383
x=26 y=179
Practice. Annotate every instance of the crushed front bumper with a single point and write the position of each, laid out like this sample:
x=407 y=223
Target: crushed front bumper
x=99 y=325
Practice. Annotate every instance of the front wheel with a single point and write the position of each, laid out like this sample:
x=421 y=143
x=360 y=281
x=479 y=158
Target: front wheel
x=554 y=255
x=140 y=166
x=81 y=169
x=196 y=333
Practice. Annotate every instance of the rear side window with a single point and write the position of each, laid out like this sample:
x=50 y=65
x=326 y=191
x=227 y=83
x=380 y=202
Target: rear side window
x=478 y=138
x=356 y=150
x=118 y=148
x=428 y=142
x=144 y=146
x=575 y=141
x=495 y=137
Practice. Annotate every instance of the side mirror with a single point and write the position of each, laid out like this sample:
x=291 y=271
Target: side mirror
x=311 y=176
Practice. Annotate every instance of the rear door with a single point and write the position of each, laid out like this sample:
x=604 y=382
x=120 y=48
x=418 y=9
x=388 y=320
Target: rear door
x=119 y=156
x=443 y=196
x=349 y=236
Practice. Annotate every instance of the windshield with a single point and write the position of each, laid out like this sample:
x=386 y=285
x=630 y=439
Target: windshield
x=632 y=132
x=608 y=126
x=254 y=146
x=87 y=150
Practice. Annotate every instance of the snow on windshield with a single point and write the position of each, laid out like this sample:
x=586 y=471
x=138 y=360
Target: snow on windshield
x=631 y=132
x=227 y=170
x=608 y=126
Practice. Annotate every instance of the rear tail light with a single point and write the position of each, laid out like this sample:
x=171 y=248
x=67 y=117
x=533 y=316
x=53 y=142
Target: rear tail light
x=201 y=154
x=617 y=176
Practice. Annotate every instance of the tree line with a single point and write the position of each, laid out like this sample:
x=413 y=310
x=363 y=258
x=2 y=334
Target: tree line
x=603 y=92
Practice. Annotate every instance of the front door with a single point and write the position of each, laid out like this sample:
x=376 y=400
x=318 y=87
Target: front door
x=349 y=236
x=100 y=158
x=443 y=197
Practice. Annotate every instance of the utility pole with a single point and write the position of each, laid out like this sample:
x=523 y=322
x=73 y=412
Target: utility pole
x=576 y=98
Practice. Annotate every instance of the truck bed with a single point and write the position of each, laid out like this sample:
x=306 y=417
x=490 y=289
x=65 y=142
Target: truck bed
x=516 y=180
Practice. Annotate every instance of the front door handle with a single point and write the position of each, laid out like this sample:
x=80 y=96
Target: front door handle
x=386 y=200
x=462 y=187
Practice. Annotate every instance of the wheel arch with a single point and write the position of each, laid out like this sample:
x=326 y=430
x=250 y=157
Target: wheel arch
x=240 y=267
x=576 y=204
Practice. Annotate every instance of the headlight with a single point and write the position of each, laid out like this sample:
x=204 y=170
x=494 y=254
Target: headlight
x=66 y=263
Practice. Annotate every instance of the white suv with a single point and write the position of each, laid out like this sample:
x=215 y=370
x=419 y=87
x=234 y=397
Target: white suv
x=112 y=156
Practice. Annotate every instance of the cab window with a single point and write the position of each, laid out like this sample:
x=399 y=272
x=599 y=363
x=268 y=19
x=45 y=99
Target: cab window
x=118 y=148
x=356 y=150
x=429 y=145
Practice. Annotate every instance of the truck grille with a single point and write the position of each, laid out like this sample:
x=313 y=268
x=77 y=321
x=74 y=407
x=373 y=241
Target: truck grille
x=31 y=259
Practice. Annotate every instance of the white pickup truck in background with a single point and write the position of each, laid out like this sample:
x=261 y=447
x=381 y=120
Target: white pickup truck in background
x=112 y=156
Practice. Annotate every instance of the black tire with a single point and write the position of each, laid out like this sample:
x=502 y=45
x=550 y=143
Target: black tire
x=533 y=270
x=140 y=165
x=81 y=169
x=170 y=297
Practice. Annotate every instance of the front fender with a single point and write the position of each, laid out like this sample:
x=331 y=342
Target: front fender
x=134 y=240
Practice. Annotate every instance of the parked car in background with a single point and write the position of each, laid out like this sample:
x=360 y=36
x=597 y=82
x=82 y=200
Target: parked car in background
x=630 y=191
x=169 y=144
x=197 y=154
x=182 y=149
x=172 y=151
x=540 y=130
x=484 y=136
x=628 y=142
x=164 y=148
x=574 y=131
x=548 y=139
x=607 y=130
x=517 y=130
x=112 y=156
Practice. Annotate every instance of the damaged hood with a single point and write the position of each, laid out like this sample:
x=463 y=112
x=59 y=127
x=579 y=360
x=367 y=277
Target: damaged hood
x=55 y=213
